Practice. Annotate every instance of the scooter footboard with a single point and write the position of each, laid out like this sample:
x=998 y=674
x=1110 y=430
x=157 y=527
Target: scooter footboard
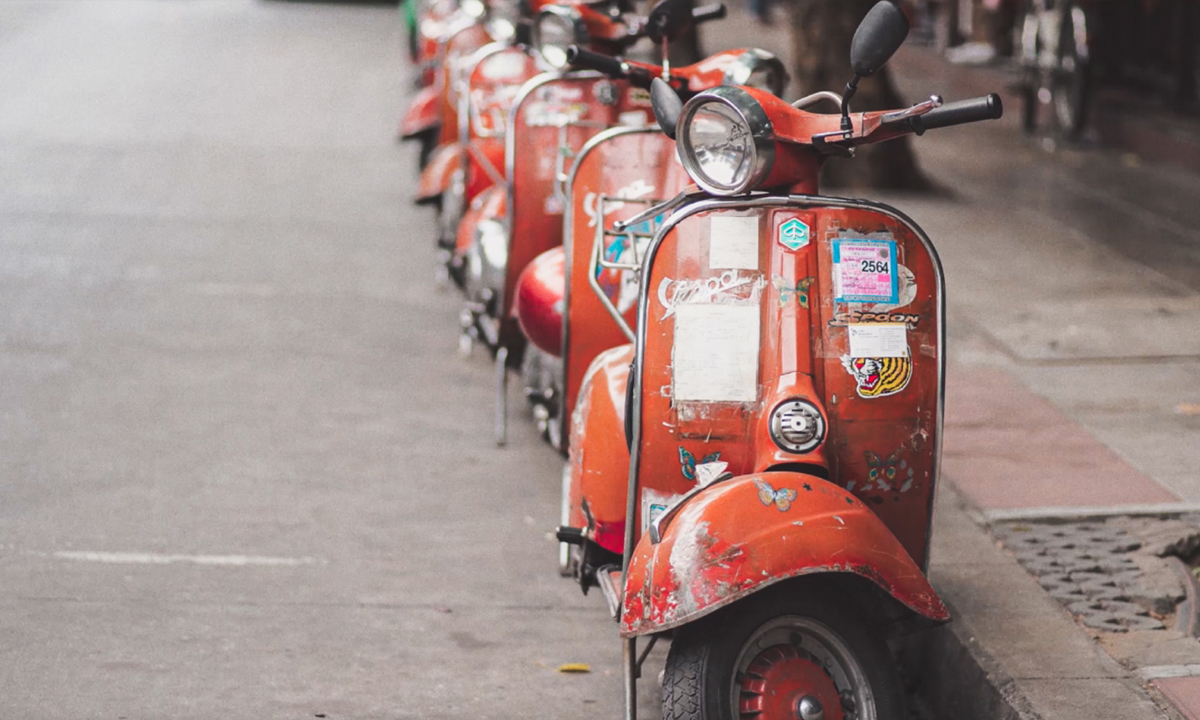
x=741 y=535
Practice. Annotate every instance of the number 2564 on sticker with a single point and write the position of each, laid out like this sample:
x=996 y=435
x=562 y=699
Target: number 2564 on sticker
x=865 y=271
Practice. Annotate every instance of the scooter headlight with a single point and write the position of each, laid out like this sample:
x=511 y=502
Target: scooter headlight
x=797 y=426
x=473 y=8
x=725 y=141
x=557 y=29
x=758 y=69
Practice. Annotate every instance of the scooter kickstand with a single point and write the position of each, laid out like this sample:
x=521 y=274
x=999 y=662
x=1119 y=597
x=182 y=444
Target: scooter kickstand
x=501 y=396
x=631 y=675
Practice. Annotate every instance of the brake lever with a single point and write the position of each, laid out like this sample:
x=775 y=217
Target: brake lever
x=934 y=102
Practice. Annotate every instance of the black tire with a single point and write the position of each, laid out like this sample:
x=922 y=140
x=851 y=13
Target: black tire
x=706 y=657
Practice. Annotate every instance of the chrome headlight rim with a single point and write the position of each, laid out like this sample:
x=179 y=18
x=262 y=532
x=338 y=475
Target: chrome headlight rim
x=567 y=15
x=777 y=432
x=741 y=71
x=752 y=115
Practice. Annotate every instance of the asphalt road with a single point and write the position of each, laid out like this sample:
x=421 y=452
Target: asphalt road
x=244 y=472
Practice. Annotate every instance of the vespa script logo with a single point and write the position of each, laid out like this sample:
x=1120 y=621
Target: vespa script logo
x=727 y=286
x=634 y=191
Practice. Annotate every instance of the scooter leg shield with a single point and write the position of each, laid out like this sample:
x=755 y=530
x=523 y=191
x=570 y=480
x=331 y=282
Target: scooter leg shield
x=436 y=176
x=742 y=535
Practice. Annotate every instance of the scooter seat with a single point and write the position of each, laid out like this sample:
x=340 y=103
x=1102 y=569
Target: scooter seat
x=540 y=299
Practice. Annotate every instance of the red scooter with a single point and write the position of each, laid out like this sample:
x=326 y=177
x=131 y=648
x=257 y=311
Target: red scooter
x=501 y=235
x=618 y=173
x=447 y=31
x=760 y=464
x=473 y=159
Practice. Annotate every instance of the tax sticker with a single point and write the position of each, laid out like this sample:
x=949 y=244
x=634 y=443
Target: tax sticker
x=864 y=271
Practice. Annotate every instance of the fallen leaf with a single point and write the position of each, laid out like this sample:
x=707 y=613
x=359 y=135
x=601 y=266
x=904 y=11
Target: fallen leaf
x=1188 y=409
x=575 y=668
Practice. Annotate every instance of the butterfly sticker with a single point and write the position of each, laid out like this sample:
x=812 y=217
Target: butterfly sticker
x=786 y=291
x=883 y=474
x=688 y=461
x=781 y=498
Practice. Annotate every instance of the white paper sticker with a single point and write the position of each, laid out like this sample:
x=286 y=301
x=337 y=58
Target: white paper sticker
x=716 y=353
x=633 y=118
x=878 y=340
x=733 y=243
x=710 y=471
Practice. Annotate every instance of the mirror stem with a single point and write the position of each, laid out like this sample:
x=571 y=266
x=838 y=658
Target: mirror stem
x=666 y=65
x=851 y=88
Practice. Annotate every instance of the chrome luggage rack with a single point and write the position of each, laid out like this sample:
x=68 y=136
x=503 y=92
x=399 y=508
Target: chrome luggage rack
x=629 y=240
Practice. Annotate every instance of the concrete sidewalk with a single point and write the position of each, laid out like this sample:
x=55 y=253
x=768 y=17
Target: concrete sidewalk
x=1073 y=416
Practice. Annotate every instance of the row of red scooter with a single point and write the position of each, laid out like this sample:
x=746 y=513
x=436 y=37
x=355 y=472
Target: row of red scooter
x=745 y=376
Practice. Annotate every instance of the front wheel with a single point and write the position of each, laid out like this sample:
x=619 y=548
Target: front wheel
x=795 y=655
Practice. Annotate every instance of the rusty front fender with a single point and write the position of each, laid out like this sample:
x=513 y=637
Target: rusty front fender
x=435 y=178
x=424 y=113
x=742 y=535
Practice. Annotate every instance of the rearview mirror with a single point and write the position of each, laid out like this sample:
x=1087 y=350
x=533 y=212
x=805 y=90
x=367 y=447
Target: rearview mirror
x=666 y=105
x=879 y=36
x=669 y=20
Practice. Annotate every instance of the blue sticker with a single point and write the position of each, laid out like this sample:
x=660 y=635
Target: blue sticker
x=864 y=271
x=793 y=234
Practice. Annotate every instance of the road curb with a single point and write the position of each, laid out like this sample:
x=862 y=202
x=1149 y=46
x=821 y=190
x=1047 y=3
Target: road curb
x=1011 y=652
x=953 y=677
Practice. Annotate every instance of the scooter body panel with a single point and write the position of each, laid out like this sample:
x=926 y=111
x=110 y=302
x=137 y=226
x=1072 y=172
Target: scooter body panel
x=423 y=113
x=444 y=162
x=539 y=302
x=620 y=173
x=557 y=115
x=749 y=302
x=487 y=205
x=735 y=537
x=596 y=476
x=455 y=63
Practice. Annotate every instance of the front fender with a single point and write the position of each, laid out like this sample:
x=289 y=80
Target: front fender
x=435 y=178
x=424 y=113
x=742 y=535
x=491 y=204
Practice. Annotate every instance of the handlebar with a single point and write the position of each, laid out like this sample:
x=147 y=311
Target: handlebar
x=612 y=66
x=588 y=60
x=988 y=107
x=704 y=13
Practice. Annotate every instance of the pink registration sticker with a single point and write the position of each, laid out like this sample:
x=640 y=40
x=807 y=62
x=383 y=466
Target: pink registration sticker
x=865 y=271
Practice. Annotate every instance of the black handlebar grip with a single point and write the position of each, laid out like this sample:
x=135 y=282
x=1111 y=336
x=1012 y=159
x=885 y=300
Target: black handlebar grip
x=704 y=13
x=580 y=58
x=959 y=113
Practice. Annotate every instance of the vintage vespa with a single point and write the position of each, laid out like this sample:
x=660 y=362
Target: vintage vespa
x=618 y=173
x=754 y=477
x=472 y=159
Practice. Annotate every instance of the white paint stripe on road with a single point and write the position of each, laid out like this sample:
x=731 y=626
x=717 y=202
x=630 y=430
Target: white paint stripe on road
x=125 y=558
x=1093 y=511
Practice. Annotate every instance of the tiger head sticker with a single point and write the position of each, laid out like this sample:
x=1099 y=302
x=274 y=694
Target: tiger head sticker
x=879 y=377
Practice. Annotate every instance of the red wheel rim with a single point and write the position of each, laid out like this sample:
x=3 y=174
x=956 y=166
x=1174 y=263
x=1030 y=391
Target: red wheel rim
x=778 y=678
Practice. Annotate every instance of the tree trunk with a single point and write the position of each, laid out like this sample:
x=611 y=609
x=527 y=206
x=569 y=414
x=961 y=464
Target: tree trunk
x=821 y=34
